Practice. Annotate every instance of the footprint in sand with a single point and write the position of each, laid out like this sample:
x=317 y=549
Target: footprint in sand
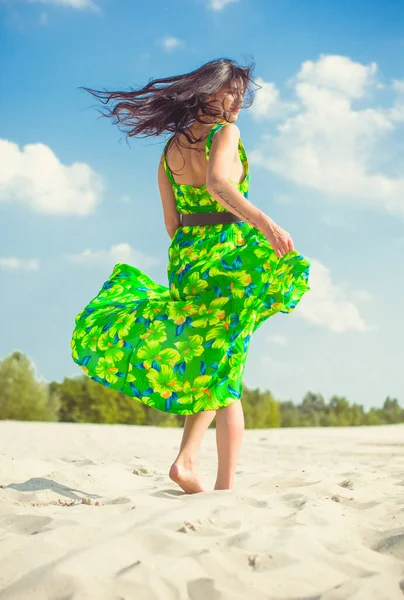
x=79 y=462
x=297 y=501
x=24 y=524
x=189 y=526
x=392 y=545
x=347 y=483
x=144 y=471
x=212 y=526
x=169 y=493
x=200 y=589
x=120 y=500
x=352 y=503
x=255 y=502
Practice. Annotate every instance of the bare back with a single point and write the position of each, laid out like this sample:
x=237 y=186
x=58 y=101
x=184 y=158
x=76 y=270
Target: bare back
x=188 y=163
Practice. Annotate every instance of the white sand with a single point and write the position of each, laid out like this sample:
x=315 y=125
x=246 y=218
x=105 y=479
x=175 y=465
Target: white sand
x=314 y=514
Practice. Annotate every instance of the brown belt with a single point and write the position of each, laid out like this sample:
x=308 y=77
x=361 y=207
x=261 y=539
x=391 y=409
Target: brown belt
x=209 y=218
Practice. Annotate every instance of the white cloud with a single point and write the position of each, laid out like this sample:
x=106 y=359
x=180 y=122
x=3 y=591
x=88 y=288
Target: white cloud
x=43 y=18
x=219 y=4
x=120 y=253
x=76 y=4
x=396 y=113
x=170 y=42
x=13 y=263
x=329 y=145
x=398 y=85
x=281 y=340
x=36 y=177
x=338 y=74
x=362 y=295
x=328 y=304
x=267 y=103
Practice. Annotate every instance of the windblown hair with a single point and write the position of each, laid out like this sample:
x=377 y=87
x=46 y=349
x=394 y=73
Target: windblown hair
x=172 y=104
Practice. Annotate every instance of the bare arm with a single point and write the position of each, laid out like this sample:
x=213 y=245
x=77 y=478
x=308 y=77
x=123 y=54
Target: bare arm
x=171 y=214
x=224 y=147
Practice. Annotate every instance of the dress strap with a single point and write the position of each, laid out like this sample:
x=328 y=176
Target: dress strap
x=208 y=142
x=243 y=157
x=164 y=159
x=241 y=149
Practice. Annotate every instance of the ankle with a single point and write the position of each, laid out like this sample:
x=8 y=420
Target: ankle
x=188 y=462
x=224 y=483
x=223 y=486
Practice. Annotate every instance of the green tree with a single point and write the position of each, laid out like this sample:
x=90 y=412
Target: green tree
x=22 y=397
x=374 y=417
x=340 y=413
x=314 y=411
x=393 y=413
x=83 y=400
x=261 y=410
x=357 y=415
x=289 y=413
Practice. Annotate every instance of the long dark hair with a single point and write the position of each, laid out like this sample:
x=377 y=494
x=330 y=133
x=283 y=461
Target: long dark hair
x=172 y=104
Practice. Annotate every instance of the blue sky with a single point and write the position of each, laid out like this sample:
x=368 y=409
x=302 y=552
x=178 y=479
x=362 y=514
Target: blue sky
x=325 y=143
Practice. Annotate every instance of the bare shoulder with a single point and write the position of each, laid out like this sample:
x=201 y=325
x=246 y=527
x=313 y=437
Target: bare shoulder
x=223 y=151
x=228 y=135
x=229 y=129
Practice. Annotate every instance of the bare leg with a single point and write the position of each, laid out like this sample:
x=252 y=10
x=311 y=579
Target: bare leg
x=229 y=438
x=183 y=470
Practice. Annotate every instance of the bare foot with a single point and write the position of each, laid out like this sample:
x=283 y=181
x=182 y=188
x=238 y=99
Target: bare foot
x=186 y=477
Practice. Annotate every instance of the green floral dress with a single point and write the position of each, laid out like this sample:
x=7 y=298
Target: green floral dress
x=182 y=348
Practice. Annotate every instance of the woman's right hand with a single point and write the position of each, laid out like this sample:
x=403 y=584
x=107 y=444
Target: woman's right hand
x=279 y=239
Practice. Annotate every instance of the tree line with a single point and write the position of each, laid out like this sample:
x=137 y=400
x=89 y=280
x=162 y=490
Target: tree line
x=82 y=400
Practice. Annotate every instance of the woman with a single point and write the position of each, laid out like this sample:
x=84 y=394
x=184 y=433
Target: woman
x=183 y=348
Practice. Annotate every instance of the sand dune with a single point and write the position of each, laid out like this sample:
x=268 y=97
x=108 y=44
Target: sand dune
x=87 y=512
